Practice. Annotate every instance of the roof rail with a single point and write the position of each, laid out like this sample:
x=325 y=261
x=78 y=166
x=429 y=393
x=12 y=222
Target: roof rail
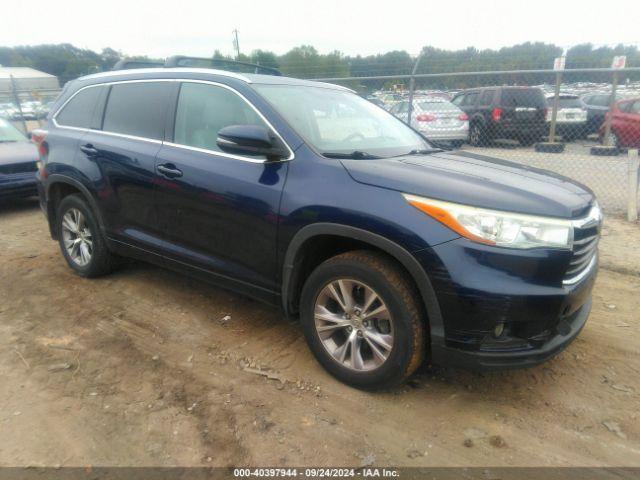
x=125 y=64
x=221 y=63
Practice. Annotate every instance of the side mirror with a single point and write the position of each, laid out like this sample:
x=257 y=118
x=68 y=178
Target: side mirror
x=253 y=140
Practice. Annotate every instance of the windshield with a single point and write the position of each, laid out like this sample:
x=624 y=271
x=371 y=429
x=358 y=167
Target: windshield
x=341 y=122
x=9 y=133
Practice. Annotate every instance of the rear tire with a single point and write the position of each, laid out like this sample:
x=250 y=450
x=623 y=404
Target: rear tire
x=456 y=144
x=328 y=327
x=477 y=135
x=82 y=244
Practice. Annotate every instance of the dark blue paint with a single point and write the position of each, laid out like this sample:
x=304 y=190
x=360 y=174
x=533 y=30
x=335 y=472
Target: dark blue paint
x=233 y=222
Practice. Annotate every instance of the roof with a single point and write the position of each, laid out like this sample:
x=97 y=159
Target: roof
x=251 y=78
x=23 y=72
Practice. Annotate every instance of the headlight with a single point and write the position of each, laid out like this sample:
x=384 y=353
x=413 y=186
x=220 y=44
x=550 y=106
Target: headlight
x=494 y=227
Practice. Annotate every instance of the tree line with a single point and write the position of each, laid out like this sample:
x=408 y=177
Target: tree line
x=68 y=62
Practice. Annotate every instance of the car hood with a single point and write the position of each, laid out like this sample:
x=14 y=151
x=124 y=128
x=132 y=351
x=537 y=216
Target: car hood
x=17 y=152
x=477 y=180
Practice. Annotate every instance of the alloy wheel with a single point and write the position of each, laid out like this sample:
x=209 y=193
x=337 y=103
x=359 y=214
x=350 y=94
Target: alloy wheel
x=77 y=237
x=475 y=134
x=354 y=324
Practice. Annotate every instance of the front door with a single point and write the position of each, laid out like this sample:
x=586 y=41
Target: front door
x=218 y=212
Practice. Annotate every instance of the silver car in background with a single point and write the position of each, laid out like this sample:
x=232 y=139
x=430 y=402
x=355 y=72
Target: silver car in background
x=571 y=119
x=436 y=118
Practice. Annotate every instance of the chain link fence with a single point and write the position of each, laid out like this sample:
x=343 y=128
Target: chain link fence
x=26 y=108
x=581 y=123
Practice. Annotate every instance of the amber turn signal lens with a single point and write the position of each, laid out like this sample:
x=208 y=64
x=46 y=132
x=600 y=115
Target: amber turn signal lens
x=445 y=218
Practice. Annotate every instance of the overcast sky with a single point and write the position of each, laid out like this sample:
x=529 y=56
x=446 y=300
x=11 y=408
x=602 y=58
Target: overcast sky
x=198 y=27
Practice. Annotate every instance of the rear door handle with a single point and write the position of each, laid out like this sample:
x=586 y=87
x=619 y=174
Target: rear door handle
x=169 y=170
x=89 y=150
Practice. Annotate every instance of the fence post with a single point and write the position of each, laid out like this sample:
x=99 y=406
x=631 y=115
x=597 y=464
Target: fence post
x=612 y=102
x=412 y=86
x=14 y=90
x=632 y=189
x=554 y=112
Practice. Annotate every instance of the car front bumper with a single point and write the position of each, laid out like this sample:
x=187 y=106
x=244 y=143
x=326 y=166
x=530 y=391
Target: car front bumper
x=446 y=134
x=18 y=185
x=480 y=288
x=507 y=359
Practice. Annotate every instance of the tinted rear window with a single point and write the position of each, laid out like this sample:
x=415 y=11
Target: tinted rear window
x=78 y=112
x=437 y=106
x=600 y=100
x=565 y=102
x=137 y=109
x=522 y=97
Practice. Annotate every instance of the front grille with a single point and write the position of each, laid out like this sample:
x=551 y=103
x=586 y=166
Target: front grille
x=586 y=234
x=18 y=168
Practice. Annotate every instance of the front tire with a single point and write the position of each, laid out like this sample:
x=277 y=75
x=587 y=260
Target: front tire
x=81 y=241
x=362 y=320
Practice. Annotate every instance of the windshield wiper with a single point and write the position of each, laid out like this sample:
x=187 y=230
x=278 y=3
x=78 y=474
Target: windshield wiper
x=422 y=151
x=356 y=155
x=8 y=141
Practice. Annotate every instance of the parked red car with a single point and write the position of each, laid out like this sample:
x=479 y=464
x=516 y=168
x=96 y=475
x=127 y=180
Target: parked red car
x=625 y=123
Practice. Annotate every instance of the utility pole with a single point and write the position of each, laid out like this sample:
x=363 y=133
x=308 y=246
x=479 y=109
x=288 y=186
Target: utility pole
x=236 y=43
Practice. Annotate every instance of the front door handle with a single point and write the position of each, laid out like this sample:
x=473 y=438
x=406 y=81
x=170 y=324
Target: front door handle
x=169 y=170
x=89 y=150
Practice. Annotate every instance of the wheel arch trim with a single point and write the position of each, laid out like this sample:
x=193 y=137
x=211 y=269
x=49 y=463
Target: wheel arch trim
x=400 y=254
x=56 y=179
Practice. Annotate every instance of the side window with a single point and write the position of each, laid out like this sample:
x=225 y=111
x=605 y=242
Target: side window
x=486 y=98
x=625 y=106
x=470 y=99
x=395 y=109
x=137 y=109
x=404 y=107
x=205 y=109
x=458 y=100
x=78 y=112
x=635 y=108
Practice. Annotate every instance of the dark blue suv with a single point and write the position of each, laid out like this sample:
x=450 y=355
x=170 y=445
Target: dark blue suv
x=307 y=196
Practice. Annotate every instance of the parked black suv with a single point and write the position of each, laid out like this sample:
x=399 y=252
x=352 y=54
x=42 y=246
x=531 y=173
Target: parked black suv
x=517 y=113
x=307 y=196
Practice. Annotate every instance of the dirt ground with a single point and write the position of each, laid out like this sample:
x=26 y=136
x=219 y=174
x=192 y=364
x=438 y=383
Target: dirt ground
x=142 y=368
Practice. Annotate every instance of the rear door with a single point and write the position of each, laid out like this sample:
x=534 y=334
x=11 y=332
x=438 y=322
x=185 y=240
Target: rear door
x=123 y=149
x=71 y=123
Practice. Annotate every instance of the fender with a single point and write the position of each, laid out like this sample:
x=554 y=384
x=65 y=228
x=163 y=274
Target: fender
x=57 y=178
x=436 y=324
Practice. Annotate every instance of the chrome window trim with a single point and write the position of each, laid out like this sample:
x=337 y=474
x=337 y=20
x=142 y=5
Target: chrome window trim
x=219 y=154
x=129 y=137
x=176 y=145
